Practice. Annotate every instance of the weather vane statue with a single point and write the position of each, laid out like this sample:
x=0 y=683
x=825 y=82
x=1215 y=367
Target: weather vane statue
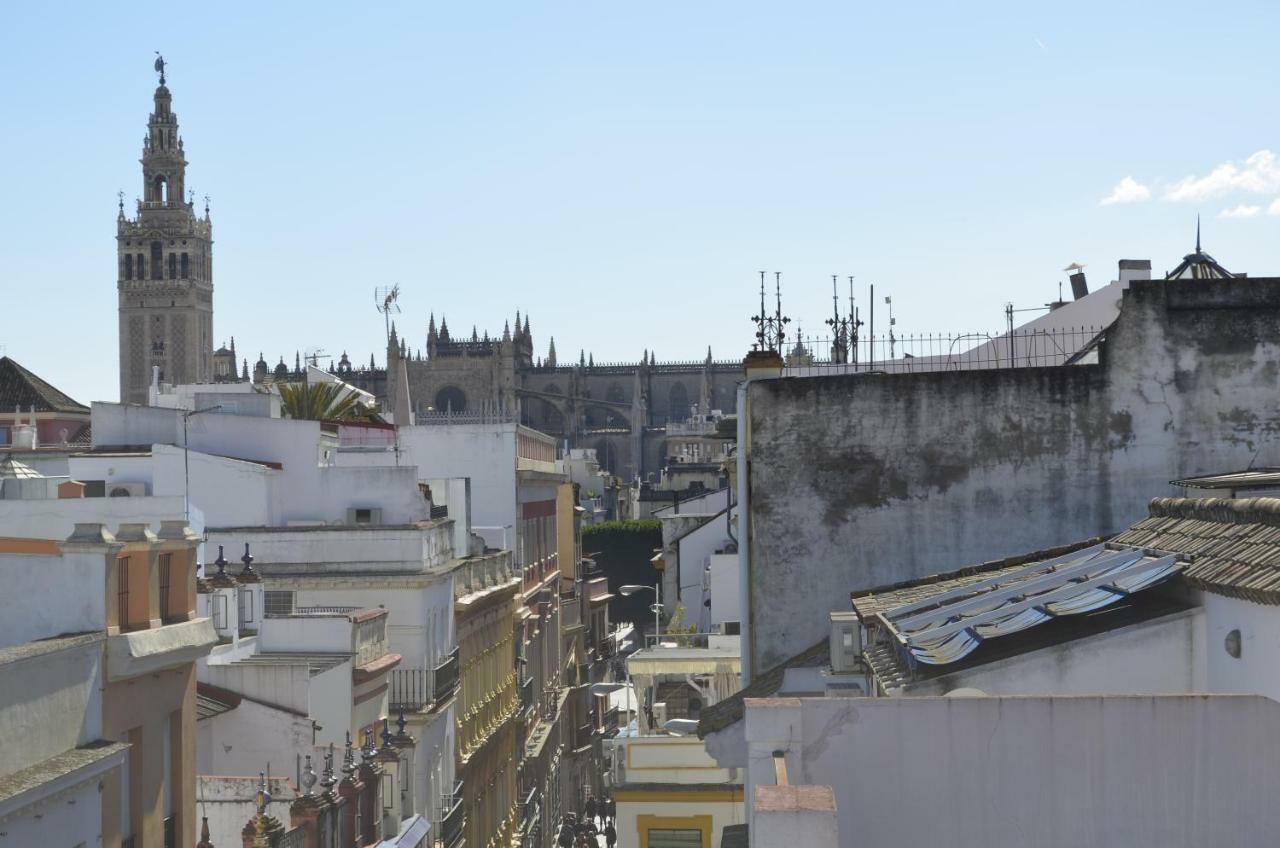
x=160 y=66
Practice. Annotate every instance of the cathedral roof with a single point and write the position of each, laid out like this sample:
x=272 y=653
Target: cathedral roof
x=1199 y=266
x=20 y=388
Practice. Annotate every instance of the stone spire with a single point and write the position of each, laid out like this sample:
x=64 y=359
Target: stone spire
x=506 y=331
x=517 y=330
x=551 y=353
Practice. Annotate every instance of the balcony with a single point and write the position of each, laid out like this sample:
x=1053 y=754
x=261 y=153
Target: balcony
x=609 y=722
x=446 y=678
x=451 y=827
x=412 y=689
x=531 y=816
x=526 y=694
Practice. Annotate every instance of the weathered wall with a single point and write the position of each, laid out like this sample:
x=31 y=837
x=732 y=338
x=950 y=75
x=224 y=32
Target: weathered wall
x=1165 y=771
x=861 y=480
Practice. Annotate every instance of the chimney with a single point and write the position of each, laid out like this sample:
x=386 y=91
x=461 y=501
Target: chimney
x=1135 y=269
x=1079 y=288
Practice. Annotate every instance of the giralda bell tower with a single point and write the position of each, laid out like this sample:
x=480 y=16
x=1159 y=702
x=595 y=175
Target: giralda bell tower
x=165 y=267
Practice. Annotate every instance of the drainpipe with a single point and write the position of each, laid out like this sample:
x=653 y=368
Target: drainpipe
x=744 y=539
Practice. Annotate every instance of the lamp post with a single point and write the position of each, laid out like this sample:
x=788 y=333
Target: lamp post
x=631 y=589
x=186 y=464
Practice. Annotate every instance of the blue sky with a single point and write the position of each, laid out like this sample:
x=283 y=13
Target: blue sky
x=622 y=172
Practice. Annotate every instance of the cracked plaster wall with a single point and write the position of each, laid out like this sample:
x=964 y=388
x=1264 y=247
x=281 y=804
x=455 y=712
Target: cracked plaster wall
x=857 y=481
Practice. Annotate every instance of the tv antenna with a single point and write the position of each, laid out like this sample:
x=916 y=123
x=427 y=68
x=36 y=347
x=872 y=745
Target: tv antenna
x=384 y=298
x=313 y=356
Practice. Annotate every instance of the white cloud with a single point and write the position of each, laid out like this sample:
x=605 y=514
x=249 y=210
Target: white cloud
x=1242 y=211
x=1274 y=208
x=1127 y=190
x=1258 y=174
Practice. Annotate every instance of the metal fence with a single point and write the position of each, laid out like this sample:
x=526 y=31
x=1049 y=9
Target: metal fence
x=296 y=838
x=893 y=354
x=411 y=688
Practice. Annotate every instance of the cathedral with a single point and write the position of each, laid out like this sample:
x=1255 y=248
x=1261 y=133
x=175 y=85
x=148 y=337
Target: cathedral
x=165 y=286
x=165 y=267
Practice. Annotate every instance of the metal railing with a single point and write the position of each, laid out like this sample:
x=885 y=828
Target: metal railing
x=446 y=677
x=526 y=694
x=892 y=354
x=411 y=689
x=609 y=722
x=451 y=823
x=313 y=610
x=296 y=838
x=530 y=815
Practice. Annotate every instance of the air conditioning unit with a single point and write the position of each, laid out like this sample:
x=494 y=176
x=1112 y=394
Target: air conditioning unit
x=846 y=642
x=659 y=713
x=126 y=490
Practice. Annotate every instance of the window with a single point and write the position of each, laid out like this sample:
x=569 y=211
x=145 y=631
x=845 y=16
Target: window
x=246 y=606
x=277 y=603
x=165 y=561
x=364 y=516
x=128 y=266
x=186 y=267
x=142 y=267
x=157 y=259
x=674 y=838
x=122 y=592
x=173 y=266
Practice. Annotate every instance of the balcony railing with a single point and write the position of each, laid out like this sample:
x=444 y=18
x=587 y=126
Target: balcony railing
x=296 y=838
x=526 y=694
x=446 y=677
x=609 y=722
x=412 y=689
x=530 y=814
x=451 y=825
x=313 y=610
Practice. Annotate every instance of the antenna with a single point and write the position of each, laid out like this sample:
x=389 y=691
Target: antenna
x=313 y=356
x=384 y=300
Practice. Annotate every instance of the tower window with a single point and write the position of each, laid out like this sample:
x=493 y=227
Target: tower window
x=142 y=267
x=173 y=266
x=186 y=266
x=161 y=192
x=128 y=266
x=157 y=259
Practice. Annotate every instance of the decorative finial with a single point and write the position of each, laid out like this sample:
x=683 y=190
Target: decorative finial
x=191 y=197
x=159 y=66
x=400 y=723
x=348 y=759
x=221 y=561
x=247 y=559
x=206 y=206
x=386 y=733
x=327 y=780
x=308 y=776
x=120 y=195
x=1197 y=232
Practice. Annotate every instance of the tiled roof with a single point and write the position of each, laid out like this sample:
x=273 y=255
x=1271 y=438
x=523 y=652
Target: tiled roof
x=214 y=700
x=20 y=388
x=1234 y=544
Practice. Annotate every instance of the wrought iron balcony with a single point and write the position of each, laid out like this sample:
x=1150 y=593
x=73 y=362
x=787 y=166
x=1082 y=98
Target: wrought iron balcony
x=446 y=677
x=452 y=824
x=412 y=689
x=530 y=812
x=526 y=694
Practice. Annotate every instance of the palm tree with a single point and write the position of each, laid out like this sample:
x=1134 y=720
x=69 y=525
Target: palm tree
x=321 y=402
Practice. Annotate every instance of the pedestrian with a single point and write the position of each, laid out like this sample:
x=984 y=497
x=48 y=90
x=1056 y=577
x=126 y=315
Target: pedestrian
x=565 y=838
x=610 y=835
x=591 y=807
x=610 y=808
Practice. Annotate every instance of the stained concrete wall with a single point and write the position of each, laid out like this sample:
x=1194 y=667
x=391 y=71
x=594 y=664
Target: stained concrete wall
x=1162 y=771
x=860 y=480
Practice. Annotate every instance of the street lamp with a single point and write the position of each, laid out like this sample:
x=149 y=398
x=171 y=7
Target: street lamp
x=631 y=589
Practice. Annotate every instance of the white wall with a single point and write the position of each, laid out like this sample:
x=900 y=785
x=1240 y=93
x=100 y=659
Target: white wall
x=1160 y=656
x=1258 y=667
x=72 y=819
x=329 y=704
x=485 y=453
x=279 y=684
x=726 y=589
x=57 y=519
x=1138 y=771
x=63 y=594
x=246 y=740
x=49 y=703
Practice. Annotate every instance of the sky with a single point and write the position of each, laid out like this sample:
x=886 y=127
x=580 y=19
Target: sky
x=622 y=172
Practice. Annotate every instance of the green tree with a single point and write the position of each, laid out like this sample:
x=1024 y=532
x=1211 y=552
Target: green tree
x=320 y=402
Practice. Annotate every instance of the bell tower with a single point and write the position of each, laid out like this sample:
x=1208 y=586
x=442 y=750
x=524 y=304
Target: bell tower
x=165 y=267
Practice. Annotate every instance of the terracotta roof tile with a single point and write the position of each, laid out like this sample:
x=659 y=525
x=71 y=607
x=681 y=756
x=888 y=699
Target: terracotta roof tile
x=20 y=388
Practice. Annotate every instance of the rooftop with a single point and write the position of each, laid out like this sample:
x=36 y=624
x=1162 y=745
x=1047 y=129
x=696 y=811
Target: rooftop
x=1234 y=543
x=317 y=663
x=1254 y=478
x=20 y=388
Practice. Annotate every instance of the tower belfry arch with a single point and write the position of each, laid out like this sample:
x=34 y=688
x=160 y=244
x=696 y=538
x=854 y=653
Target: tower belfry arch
x=165 y=266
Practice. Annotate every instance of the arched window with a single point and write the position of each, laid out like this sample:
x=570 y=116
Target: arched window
x=678 y=401
x=173 y=266
x=128 y=266
x=186 y=267
x=451 y=399
x=157 y=261
x=161 y=192
x=142 y=267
